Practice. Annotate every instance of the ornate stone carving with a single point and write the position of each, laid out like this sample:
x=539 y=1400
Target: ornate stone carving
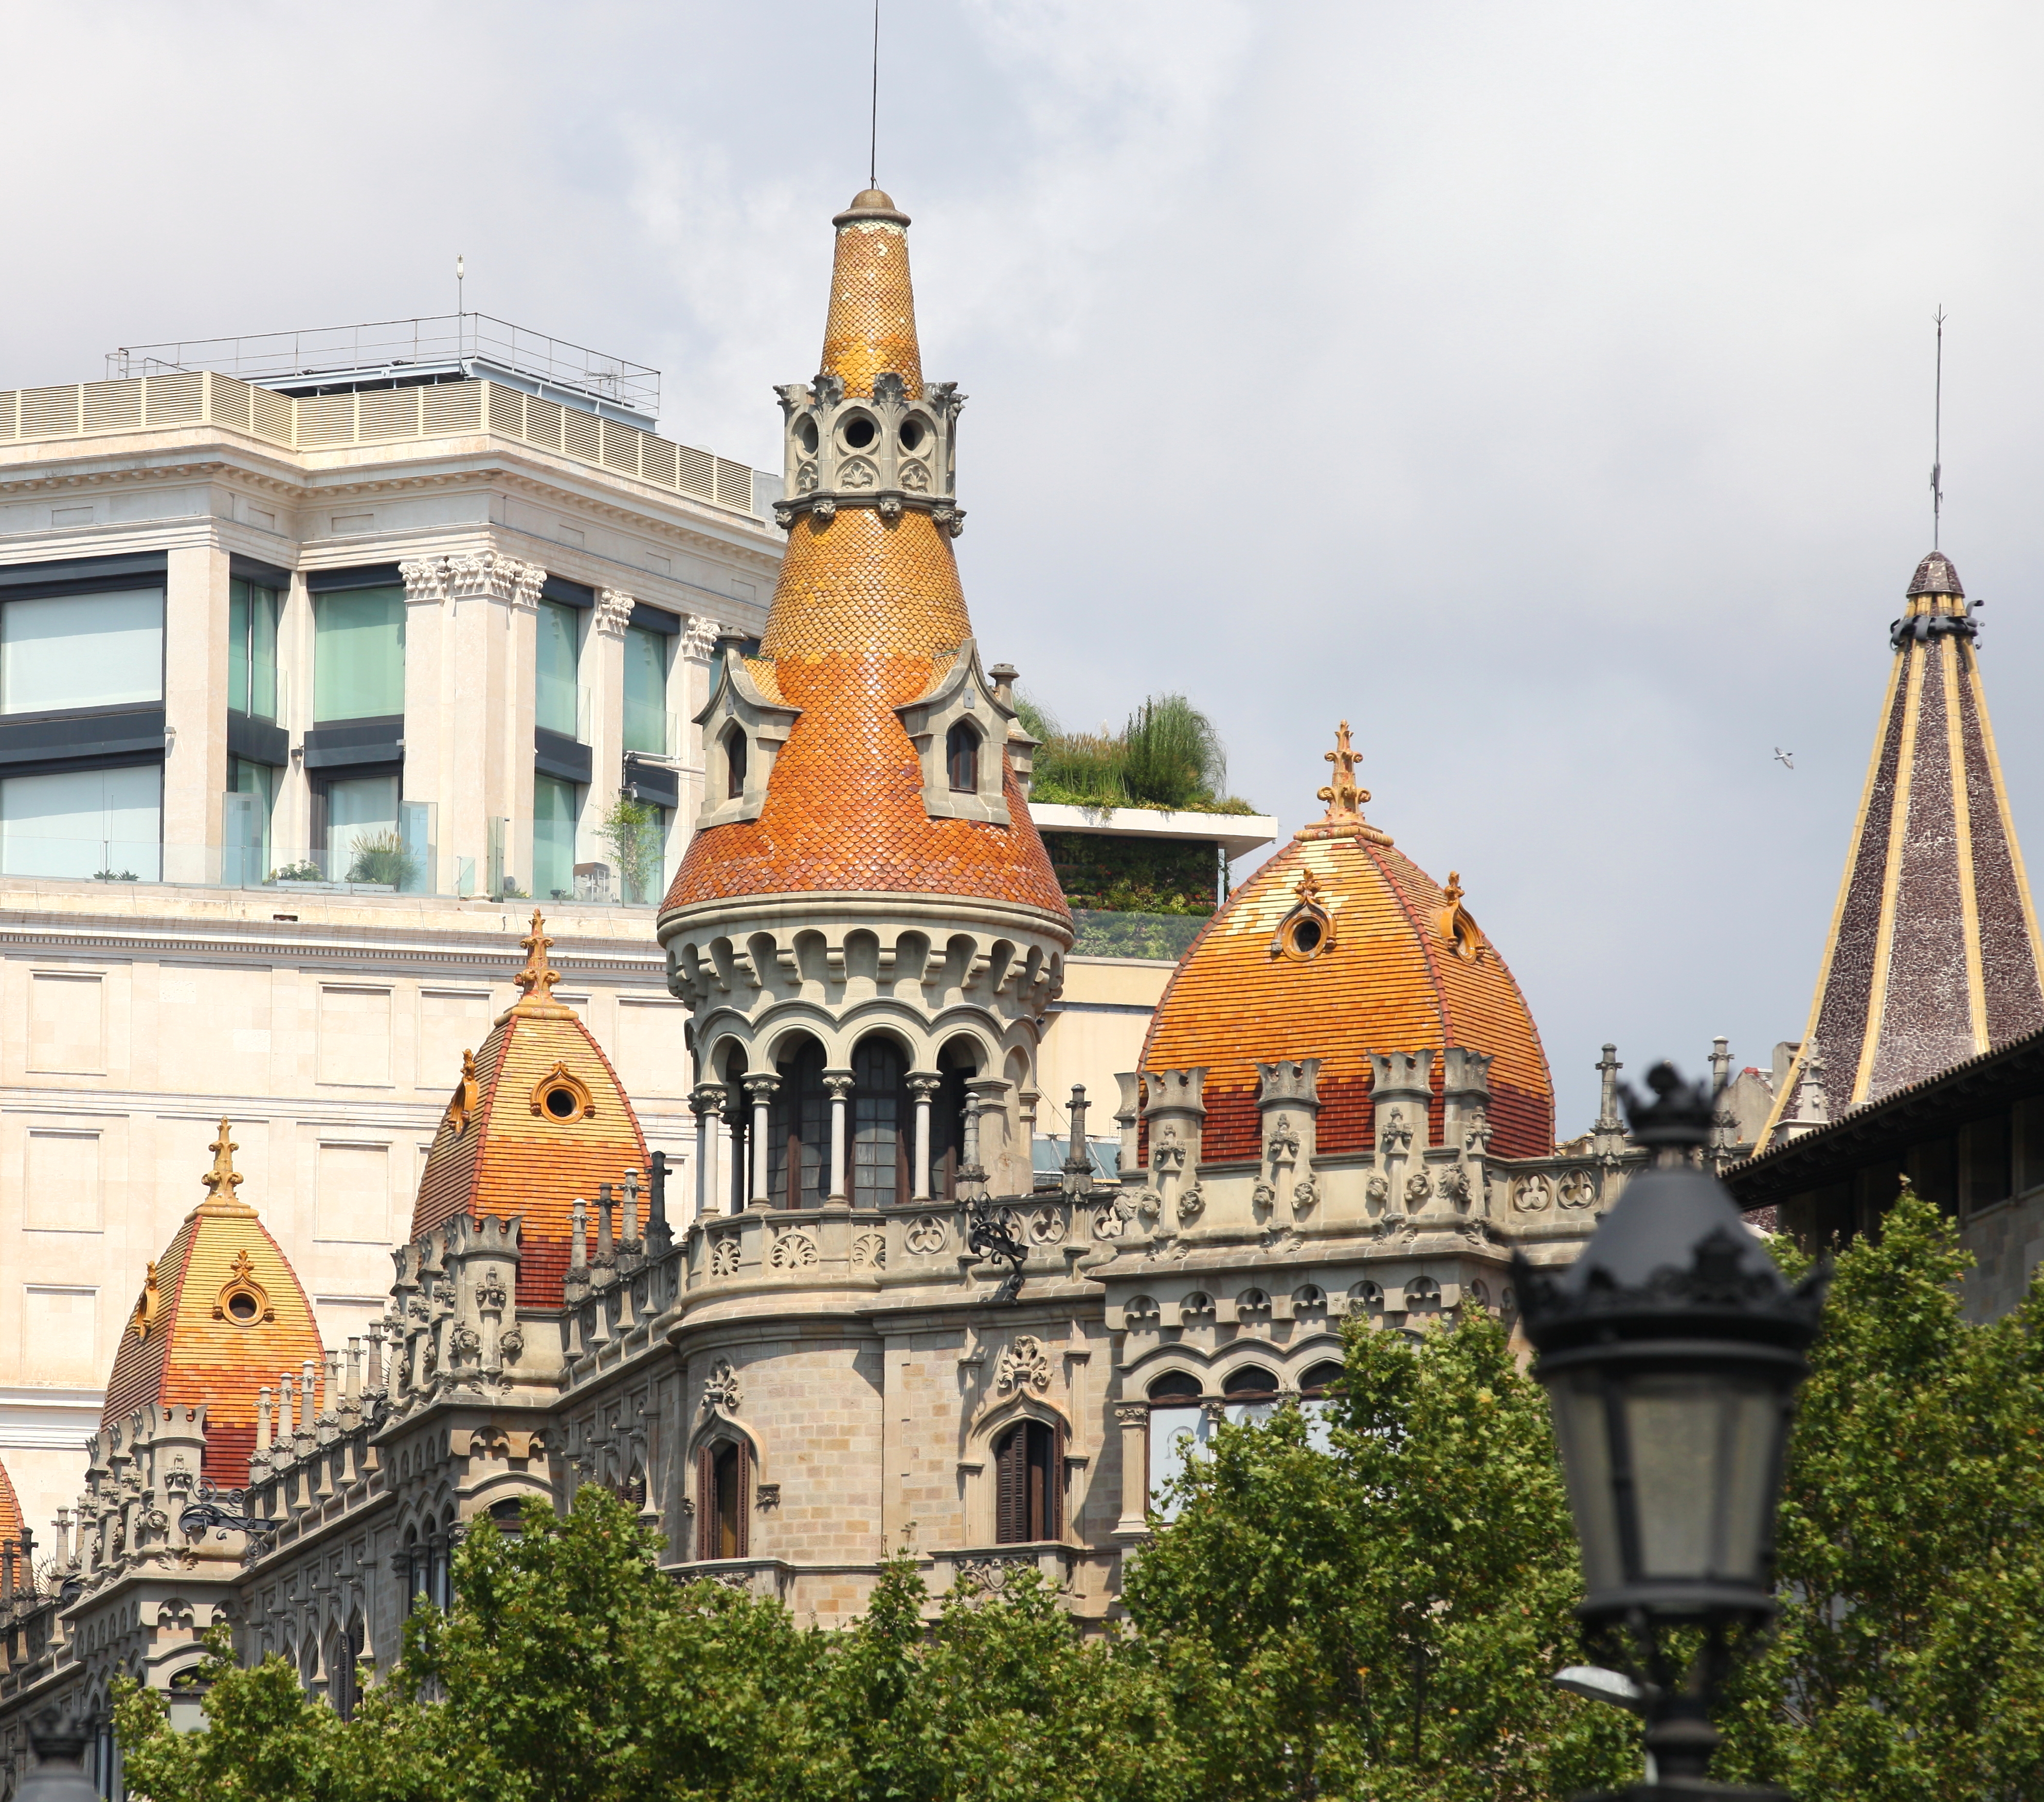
x=1530 y=1194
x=1192 y=1203
x=990 y=1576
x=490 y=1292
x=1378 y=1189
x=1455 y=1186
x=723 y=1255
x=869 y=1251
x=1111 y=1218
x=1141 y=1311
x=1047 y=1227
x=1305 y=1192
x=1023 y=1365
x=793 y=1251
x=614 y=611
x=1417 y=1189
x=1578 y=1189
x=1131 y=1413
x=926 y=1236
x=720 y=1393
x=512 y=1345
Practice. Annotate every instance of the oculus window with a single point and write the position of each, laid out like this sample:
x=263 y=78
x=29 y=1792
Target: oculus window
x=81 y=650
x=556 y=662
x=645 y=691
x=359 y=654
x=554 y=810
x=251 y=649
x=107 y=824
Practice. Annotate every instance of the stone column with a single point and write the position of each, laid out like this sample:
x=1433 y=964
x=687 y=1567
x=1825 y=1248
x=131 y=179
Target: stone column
x=1133 y=1418
x=430 y=727
x=602 y=673
x=762 y=1090
x=922 y=1085
x=194 y=713
x=837 y=1085
x=992 y=1148
x=706 y=1101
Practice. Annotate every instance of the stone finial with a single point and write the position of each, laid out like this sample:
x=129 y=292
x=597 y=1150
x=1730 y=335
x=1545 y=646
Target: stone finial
x=1345 y=797
x=222 y=1177
x=538 y=977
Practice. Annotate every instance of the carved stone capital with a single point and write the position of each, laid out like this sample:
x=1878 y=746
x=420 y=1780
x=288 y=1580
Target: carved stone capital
x=1128 y=1414
x=614 y=611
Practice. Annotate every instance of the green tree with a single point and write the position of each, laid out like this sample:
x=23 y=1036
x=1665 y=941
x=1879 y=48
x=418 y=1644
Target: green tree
x=1909 y=1659
x=1380 y=1619
x=1172 y=755
x=631 y=829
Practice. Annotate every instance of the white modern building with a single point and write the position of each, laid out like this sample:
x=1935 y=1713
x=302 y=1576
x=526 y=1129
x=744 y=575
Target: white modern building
x=318 y=653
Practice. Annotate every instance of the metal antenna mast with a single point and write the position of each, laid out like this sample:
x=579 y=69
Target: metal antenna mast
x=1936 y=434
x=873 y=141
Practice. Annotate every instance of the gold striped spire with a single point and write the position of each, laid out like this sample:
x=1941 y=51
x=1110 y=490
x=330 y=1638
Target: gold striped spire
x=1934 y=955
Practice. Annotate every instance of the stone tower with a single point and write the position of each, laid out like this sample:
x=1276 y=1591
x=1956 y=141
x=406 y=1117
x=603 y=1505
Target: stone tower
x=1933 y=956
x=866 y=925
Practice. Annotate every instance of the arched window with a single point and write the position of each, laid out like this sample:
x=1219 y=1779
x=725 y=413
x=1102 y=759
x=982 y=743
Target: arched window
x=1313 y=1386
x=879 y=1111
x=734 y=761
x=1179 y=1428
x=1316 y=1405
x=1251 y=1393
x=961 y=759
x=947 y=1121
x=739 y=1116
x=344 y=1682
x=798 y=1146
x=1028 y=1480
x=723 y=1479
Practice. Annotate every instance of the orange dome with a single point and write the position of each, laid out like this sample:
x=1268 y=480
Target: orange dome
x=538 y=1119
x=1338 y=947
x=868 y=613
x=221 y=1315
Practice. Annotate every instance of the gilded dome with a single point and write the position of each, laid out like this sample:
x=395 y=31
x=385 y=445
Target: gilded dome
x=538 y=1119
x=221 y=1315
x=1339 y=946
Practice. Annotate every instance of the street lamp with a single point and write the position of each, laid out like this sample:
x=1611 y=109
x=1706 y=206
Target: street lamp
x=59 y=1751
x=1671 y=1351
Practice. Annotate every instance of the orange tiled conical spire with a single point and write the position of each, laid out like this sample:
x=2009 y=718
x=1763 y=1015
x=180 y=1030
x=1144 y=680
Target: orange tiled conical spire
x=221 y=1315
x=816 y=781
x=1933 y=956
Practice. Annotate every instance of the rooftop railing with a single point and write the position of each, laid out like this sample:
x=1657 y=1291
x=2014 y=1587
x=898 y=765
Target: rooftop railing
x=409 y=351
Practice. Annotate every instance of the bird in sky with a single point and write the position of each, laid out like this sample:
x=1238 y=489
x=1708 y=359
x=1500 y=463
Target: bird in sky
x=1786 y=757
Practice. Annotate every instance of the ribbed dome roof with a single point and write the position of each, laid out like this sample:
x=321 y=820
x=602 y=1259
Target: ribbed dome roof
x=221 y=1315
x=1392 y=962
x=538 y=1119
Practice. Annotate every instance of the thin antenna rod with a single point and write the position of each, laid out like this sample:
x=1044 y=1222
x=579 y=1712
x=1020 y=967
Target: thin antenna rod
x=1937 y=436
x=873 y=142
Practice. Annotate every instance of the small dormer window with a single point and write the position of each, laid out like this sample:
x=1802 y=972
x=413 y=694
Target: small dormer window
x=961 y=759
x=734 y=763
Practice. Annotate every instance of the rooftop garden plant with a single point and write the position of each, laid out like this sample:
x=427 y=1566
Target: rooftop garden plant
x=1167 y=757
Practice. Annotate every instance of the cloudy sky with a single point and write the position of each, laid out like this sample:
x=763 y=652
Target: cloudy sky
x=1544 y=388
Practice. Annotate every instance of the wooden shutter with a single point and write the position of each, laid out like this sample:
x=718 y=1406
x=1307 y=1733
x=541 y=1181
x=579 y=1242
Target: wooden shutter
x=1053 y=1485
x=1011 y=1494
x=706 y=1501
x=742 y=1536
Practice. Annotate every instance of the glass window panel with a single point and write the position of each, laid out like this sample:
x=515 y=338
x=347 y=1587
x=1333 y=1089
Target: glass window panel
x=1751 y=1427
x=81 y=650
x=362 y=829
x=1249 y=1413
x=1176 y=1437
x=245 y=828
x=84 y=823
x=553 y=837
x=1319 y=1425
x=645 y=691
x=359 y=654
x=263 y=604
x=237 y=647
x=555 y=667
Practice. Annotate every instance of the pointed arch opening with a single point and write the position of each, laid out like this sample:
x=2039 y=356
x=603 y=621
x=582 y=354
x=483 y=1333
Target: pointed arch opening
x=723 y=1485
x=798 y=1143
x=1028 y=1484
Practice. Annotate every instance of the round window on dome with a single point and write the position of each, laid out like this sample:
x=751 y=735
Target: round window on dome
x=912 y=434
x=1305 y=935
x=562 y=1096
x=243 y=1307
x=859 y=431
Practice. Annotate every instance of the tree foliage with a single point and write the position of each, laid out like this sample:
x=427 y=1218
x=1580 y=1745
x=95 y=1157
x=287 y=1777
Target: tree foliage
x=1368 y=1605
x=1909 y=1659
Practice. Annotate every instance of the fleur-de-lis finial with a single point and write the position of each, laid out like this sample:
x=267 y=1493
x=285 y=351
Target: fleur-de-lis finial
x=1343 y=796
x=223 y=1174
x=537 y=978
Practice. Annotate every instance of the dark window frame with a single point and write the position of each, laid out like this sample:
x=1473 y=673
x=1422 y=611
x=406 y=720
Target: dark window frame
x=1028 y=1478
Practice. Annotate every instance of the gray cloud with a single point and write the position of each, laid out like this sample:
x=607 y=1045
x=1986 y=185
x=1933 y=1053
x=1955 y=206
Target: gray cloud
x=1543 y=389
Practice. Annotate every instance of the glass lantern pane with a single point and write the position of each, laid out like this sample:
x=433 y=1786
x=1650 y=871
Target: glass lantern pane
x=1753 y=1424
x=1579 y=1425
x=1675 y=1428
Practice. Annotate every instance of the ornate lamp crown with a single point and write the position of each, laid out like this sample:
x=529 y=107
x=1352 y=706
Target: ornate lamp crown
x=1679 y=1115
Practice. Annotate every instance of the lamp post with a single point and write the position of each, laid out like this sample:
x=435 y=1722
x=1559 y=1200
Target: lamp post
x=58 y=1774
x=1671 y=1351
